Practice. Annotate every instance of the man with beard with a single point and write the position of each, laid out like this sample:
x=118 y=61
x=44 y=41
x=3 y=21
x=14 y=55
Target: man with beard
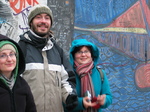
x=48 y=71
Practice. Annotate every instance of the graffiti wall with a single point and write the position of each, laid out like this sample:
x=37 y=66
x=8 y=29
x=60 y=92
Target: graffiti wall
x=14 y=13
x=121 y=30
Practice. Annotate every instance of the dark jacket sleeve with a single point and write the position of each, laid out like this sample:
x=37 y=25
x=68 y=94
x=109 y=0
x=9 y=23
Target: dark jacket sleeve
x=65 y=62
x=71 y=100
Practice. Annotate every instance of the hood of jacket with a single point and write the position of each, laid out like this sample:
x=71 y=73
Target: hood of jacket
x=33 y=39
x=21 y=60
x=84 y=42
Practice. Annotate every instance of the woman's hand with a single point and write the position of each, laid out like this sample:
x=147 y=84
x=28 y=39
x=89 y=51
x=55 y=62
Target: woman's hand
x=87 y=102
x=101 y=99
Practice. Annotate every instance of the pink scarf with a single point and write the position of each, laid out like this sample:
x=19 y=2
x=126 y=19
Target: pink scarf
x=84 y=71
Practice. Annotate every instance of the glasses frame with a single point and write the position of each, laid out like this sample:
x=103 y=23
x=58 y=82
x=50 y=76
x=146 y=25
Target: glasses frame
x=5 y=56
x=81 y=52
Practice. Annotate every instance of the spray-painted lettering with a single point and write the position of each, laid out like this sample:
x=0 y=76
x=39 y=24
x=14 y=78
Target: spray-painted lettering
x=19 y=5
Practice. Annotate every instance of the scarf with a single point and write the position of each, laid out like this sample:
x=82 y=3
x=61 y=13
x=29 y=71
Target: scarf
x=10 y=82
x=84 y=71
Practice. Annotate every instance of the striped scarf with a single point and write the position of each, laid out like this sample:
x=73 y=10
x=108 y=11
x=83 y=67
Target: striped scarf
x=84 y=71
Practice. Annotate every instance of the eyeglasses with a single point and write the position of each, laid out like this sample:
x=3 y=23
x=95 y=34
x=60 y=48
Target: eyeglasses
x=81 y=52
x=4 y=56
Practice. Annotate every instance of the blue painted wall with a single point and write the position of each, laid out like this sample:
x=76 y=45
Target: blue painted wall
x=91 y=18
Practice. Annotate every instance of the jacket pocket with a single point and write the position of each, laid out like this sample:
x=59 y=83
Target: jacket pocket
x=57 y=79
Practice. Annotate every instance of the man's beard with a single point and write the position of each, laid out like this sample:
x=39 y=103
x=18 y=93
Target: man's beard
x=41 y=34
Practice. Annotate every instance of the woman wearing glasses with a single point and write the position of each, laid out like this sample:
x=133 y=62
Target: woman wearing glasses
x=93 y=94
x=15 y=94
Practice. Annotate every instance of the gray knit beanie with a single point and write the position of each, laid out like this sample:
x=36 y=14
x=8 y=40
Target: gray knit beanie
x=6 y=47
x=38 y=9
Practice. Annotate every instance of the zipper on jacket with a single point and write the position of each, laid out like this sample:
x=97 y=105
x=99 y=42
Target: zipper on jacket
x=12 y=101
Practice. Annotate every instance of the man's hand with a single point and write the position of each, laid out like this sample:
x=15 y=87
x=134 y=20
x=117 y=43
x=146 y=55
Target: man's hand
x=71 y=102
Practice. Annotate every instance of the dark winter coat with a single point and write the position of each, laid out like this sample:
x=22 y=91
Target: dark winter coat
x=20 y=98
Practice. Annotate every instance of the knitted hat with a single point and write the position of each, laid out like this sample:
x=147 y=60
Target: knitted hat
x=7 y=47
x=38 y=9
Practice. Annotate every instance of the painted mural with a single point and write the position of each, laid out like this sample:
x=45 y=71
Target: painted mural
x=121 y=30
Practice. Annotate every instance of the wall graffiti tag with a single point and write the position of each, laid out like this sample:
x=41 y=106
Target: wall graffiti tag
x=19 y=5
